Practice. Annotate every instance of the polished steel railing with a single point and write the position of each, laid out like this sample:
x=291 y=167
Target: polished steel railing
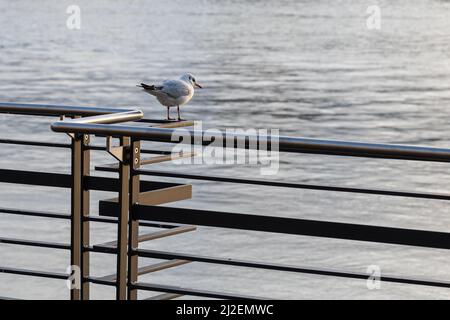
x=138 y=202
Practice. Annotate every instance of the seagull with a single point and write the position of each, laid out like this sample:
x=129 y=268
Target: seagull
x=173 y=93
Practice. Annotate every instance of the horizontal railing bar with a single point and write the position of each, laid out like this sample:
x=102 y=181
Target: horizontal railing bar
x=35 y=143
x=408 y=194
x=102 y=248
x=316 y=228
x=102 y=281
x=61 y=180
x=146 y=151
x=57 y=110
x=34 y=178
x=108 y=245
x=165 y=296
x=152 y=160
x=65 y=145
x=173 y=289
x=109 y=118
x=44 y=214
x=287 y=268
x=284 y=143
x=191 y=292
x=34 y=273
x=162 y=152
x=34 y=243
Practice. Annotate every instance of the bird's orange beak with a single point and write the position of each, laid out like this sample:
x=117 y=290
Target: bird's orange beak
x=198 y=86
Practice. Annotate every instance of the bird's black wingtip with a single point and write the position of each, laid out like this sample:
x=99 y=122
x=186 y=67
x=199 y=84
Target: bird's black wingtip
x=146 y=86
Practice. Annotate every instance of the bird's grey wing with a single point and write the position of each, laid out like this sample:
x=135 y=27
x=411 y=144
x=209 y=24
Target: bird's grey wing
x=175 y=88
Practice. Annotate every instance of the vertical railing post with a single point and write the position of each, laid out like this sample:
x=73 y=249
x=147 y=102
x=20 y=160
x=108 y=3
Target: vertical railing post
x=79 y=255
x=75 y=221
x=122 y=226
x=133 y=226
x=85 y=230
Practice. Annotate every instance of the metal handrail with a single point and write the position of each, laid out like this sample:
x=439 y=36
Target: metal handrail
x=285 y=144
x=95 y=121
x=57 y=110
x=117 y=117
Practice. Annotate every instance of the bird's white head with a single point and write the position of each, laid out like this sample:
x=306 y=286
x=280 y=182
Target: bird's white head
x=189 y=78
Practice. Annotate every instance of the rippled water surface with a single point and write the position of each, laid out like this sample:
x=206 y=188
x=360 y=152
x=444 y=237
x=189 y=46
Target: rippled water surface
x=307 y=68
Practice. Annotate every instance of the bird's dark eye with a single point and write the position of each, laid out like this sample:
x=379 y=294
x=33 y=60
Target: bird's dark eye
x=193 y=79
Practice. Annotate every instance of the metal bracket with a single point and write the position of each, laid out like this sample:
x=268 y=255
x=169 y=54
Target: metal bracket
x=116 y=152
x=62 y=118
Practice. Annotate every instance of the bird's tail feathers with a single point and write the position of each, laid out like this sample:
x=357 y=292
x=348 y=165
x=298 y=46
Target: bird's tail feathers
x=146 y=86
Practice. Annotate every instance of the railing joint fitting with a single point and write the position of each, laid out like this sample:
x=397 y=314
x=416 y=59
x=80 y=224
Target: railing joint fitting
x=86 y=140
x=117 y=152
